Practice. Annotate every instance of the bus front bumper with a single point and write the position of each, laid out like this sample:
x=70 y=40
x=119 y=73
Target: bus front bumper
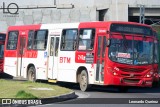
x=124 y=81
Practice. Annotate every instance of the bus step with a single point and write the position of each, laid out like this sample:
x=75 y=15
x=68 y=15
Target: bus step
x=53 y=81
x=19 y=78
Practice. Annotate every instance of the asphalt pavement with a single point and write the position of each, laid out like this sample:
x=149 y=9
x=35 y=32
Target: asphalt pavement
x=110 y=97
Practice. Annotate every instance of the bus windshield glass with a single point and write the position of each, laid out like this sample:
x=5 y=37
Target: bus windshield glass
x=131 y=29
x=134 y=52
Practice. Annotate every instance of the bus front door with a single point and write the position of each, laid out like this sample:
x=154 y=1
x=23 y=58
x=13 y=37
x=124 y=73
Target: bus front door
x=53 y=57
x=101 y=41
x=20 y=56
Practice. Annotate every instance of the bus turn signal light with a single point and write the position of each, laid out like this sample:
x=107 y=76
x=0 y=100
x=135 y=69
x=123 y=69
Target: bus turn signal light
x=113 y=71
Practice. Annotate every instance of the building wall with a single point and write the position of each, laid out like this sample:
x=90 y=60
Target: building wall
x=61 y=11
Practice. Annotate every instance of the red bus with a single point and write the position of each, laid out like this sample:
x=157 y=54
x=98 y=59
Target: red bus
x=2 y=43
x=103 y=53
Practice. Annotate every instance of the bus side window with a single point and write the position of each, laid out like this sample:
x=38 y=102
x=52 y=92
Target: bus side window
x=52 y=46
x=86 y=39
x=56 y=46
x=30 y=39
x=68 y=39
x=40 y=40
x=12 y=40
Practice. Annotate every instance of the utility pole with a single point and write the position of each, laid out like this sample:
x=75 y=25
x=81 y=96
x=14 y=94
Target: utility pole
x=142 y=14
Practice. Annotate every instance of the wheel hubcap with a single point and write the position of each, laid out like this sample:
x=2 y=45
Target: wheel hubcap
x=83 y=81
x=32 y=76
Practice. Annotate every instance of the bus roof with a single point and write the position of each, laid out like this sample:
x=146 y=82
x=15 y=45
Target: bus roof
x=44 y=26
x=24 y=27
x=100 y=24
x=59 y=26
x=107 y=23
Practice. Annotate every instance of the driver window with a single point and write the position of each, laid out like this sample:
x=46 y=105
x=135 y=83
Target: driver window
x=86 y=39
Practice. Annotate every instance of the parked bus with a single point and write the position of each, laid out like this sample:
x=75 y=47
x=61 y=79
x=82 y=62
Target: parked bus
x=2 y=43
x=102 y=53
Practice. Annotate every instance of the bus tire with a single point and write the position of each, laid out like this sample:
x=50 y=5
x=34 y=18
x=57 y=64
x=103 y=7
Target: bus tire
x=123 y=89
x=83 y=81
x=155 y=84
x=32 y=74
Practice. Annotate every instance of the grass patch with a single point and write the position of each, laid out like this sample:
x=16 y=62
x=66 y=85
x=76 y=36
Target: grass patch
x=23 y=94
x=25 y=89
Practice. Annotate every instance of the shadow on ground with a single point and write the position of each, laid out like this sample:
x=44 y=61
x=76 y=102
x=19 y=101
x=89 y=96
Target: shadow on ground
x=95 y=88
x=5 y=76
x=112 y=89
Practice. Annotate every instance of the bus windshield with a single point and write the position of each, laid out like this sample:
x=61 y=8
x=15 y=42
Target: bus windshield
x=134 y=52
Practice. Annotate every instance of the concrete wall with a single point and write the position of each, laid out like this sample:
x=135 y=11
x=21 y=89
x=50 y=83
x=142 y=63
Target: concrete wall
x=59 y=13
x=62 y=11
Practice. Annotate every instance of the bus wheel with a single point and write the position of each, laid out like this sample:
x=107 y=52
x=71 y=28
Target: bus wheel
x=31 y=74
x=83 y=81
x=123 y=89
x=155 y=84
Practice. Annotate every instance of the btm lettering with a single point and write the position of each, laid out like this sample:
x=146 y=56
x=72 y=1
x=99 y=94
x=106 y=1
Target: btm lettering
x=12 y=8
x=65 y=60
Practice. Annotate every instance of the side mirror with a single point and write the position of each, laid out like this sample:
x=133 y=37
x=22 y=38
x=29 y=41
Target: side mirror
x=108 y=42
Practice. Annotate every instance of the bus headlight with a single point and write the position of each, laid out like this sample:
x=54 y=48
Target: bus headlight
x=149 y=74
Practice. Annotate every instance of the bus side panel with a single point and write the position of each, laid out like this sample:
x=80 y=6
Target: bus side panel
x=39 y=62
x=41 y=65
x=25 y=64
x=80 y=61
x=10 y=64
x=66 y=66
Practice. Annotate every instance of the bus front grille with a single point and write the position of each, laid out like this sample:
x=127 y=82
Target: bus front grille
x=131 y=80
x=129 y=75
x=131 y=69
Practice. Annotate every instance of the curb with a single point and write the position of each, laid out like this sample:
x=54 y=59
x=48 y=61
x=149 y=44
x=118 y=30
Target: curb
x=60 y=98
x=55 y=99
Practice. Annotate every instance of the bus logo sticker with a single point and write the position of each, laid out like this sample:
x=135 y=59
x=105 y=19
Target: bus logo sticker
x=81 y=57
x=131 y=75
x=45 y=54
